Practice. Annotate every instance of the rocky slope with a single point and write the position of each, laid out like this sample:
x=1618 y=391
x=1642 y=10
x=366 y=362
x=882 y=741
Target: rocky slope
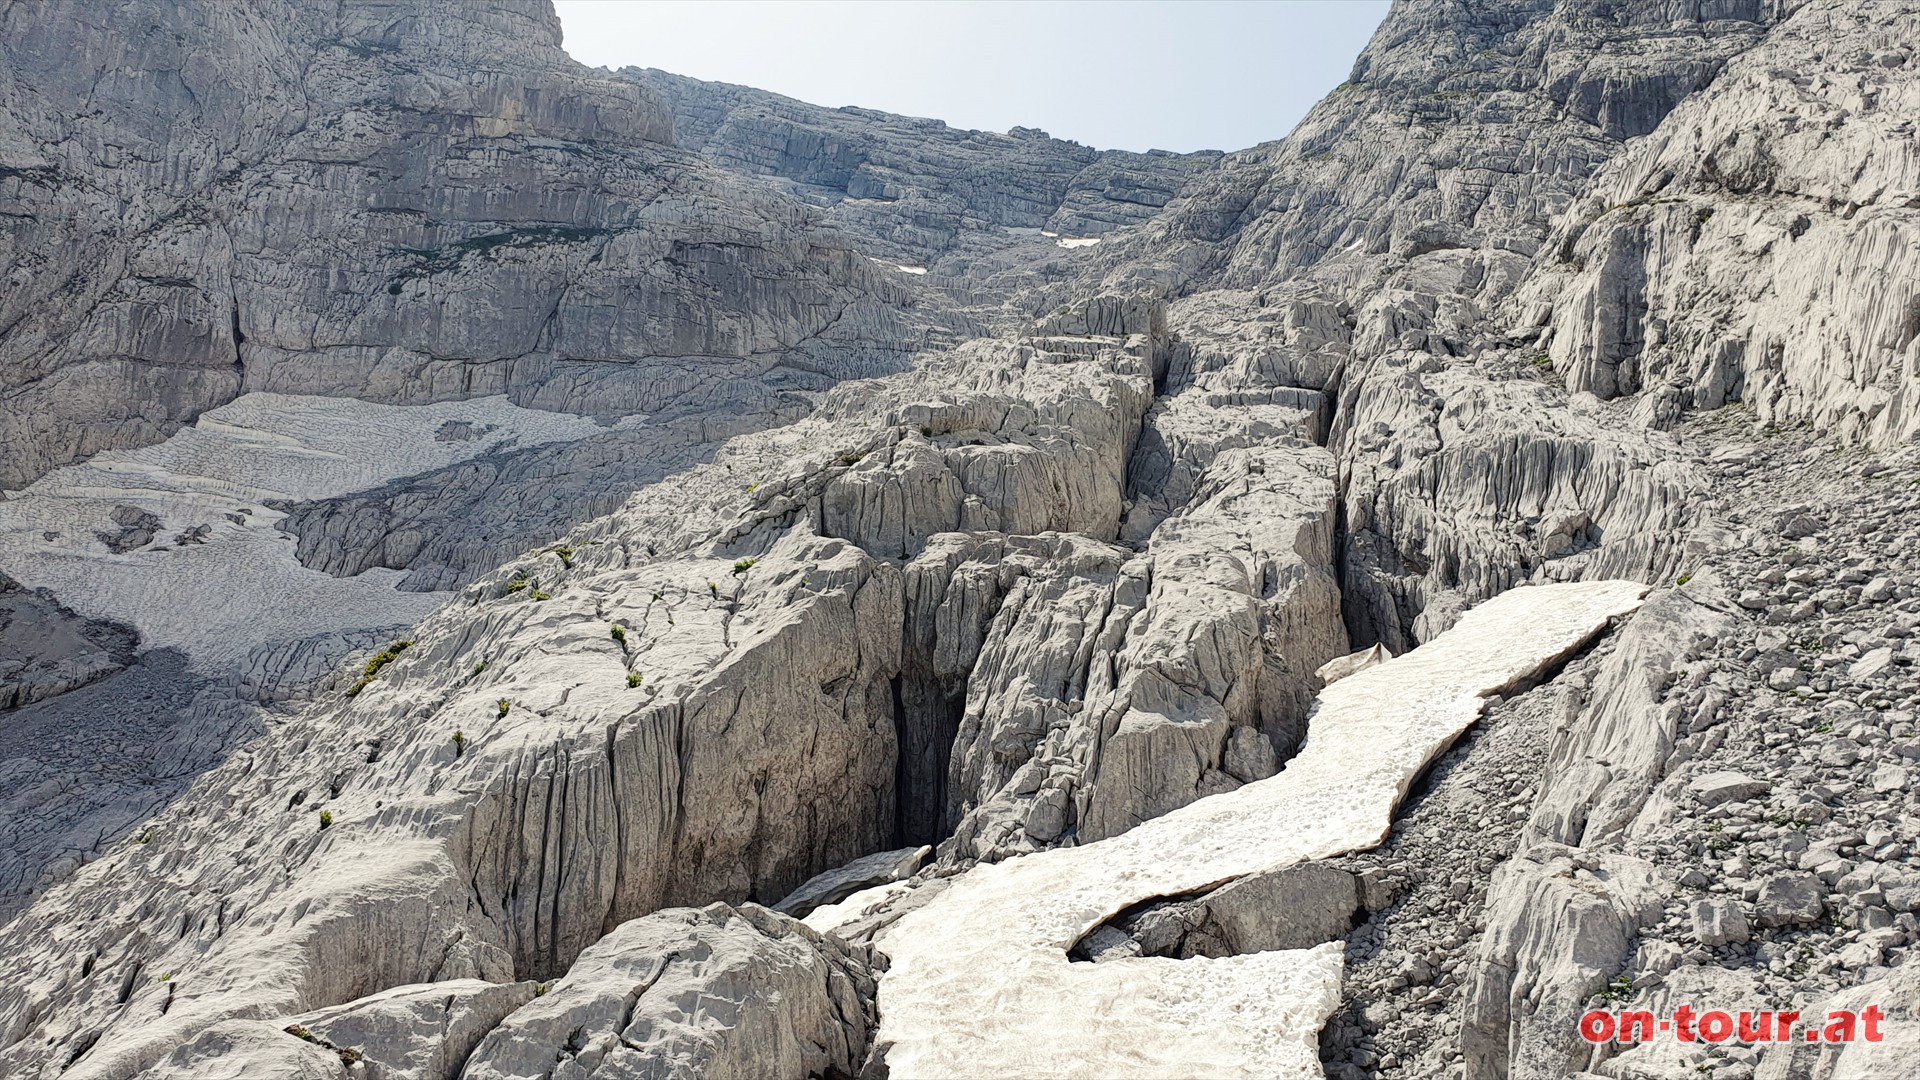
x=709 y=492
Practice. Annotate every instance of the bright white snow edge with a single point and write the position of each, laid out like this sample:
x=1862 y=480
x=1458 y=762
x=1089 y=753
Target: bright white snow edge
x=979 y=982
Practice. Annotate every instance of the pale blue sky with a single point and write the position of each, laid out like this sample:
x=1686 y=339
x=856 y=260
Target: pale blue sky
x=1189 y=75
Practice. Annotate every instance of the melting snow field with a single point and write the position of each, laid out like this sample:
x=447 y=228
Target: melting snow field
x=242 y=586
x=980 y=983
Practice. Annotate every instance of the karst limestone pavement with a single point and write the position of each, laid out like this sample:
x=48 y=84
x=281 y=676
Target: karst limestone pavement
x=478 y=528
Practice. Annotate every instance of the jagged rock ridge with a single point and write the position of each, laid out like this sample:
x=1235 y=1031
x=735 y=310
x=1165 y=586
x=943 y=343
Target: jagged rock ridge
x=1518 y=304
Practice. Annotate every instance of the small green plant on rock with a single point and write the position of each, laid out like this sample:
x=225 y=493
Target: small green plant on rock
x=479 y=667
x=633 y=679
x=713 y=587
x=372 y=670
x=619 y=633
x=459 y=744
x=503 y=705
x=541 y=594
x=565 y=553
x=743 y=566
x=519 y=582
x=348 y=1055
x=326 y=820
x=1683 y=579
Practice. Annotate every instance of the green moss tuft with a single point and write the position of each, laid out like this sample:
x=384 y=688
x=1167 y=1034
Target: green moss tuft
x=372 y=670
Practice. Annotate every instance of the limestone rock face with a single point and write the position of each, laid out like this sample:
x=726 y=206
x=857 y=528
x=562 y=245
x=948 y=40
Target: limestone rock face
x=46 y=649
x=571 y=741
x=422 y=1032
x=924 y=194
x=979 y=972
x=549 y=496
x=864 y=872
x=1108 y=690
x=244 y=1049
x=1603 y=770
x=401 y=203
x=1458 y=485
x=1757 y=247
x=1559 y=925
x=1455 y=140
x=686 y=993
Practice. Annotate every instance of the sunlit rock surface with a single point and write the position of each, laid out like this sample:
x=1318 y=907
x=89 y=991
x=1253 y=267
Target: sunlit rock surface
x=980 y=979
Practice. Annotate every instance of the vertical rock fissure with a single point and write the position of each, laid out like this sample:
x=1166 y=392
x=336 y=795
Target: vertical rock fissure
x=902 y=782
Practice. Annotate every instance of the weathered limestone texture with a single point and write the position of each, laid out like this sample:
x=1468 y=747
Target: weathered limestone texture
x=980 y=980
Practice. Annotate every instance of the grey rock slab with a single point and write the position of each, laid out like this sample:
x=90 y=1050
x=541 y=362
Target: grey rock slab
x=1719 y=922
x=690 y=994
x=864 y=872
x=419 y=1032
x=249 y=1050
x=47 y=649
x=1602 y=769
x=1293 y=907
x=1789 y=899
x=1871 y=663
x=1715 y=788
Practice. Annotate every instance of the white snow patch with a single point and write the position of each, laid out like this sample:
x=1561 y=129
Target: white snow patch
x=243 y=586
x=979 y=982
x=911 y=269
x=1077 y=241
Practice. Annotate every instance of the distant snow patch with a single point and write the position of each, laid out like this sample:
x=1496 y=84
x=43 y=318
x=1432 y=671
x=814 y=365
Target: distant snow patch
x=1077 y=241
x=218 y=578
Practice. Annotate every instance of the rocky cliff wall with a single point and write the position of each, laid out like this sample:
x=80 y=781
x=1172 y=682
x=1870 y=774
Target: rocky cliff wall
x=1070 y=567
